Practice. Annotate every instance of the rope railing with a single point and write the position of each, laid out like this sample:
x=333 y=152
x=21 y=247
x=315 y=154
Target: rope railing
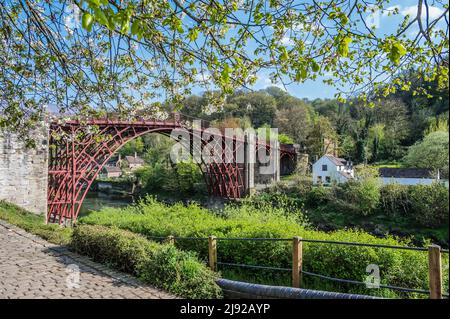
x=434 y=255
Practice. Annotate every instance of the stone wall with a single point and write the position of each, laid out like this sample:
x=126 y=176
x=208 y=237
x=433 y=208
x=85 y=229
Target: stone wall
x=268 y=173
x=24 y=171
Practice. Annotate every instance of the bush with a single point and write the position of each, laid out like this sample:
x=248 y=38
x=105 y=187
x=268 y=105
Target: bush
x=184 y=178
x=319 y=196
x=150 y=218
x=364 y=194
x=426 y=204
x=394 y=200
x=429 y=204
x=163 y=266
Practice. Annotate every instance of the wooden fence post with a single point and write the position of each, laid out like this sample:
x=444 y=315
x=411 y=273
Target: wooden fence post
x=212 y=249
x=171 y=239
x=297 y=261
x=435 y=271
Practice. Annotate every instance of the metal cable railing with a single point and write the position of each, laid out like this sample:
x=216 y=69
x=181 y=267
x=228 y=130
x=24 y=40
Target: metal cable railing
x=445 y=251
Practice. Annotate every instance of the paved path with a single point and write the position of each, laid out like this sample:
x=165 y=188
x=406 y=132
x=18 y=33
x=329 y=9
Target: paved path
x=33 y=268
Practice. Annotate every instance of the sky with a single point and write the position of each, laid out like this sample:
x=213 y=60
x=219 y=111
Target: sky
x=384 y=24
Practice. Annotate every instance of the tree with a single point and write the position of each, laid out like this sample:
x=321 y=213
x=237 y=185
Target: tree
x=439 y=124
x=233 y=122
x=376 y=135
x=259 y=106
x=95 y=56
x=322 y=138
x=347 y=147
x=295 y=122
x=134 y=146
x=432 y=152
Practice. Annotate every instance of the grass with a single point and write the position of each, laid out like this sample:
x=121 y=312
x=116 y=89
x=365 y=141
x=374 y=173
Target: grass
x=35 y=224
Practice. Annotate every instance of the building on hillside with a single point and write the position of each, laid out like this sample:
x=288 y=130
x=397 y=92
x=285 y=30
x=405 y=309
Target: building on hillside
x=409 y=176
x=330 y=169
x=134 y=162
x=109 y=171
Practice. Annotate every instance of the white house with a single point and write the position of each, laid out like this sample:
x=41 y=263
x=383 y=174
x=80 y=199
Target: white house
x=409 y=176
x=330 y=169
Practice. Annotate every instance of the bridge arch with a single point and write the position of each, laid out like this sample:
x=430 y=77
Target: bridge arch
x=79 y=151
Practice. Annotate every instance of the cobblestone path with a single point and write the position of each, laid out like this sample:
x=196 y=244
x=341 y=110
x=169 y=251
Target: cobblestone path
x=33 y=268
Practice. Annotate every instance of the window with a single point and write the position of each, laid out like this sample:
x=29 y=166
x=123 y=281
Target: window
x=328 y=179
x=319 y=179
x=324 y=168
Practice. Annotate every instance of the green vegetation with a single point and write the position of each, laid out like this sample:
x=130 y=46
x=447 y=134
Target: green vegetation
x=419 y=212
x=261 y=219
x=161 y=265
x=34 y=224
x=432 y=152
x=181 y=178
x=381 y=134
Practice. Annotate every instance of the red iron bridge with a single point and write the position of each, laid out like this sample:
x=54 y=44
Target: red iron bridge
x=80 y=148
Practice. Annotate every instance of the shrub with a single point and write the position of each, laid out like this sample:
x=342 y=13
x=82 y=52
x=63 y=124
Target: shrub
x=364 y=194
x=180 y=272
x=394 y=200
x=163 y=266
x=181 y=178
x=429 y=204
x=319 y=196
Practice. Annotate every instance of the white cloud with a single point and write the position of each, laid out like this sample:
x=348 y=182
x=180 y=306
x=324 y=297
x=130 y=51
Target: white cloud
x=286 y=40
x=390 y=10
x=203 y=76
x=434 y=12
x=264 y=81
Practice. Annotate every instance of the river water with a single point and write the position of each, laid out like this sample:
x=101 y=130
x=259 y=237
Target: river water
x=105 y=194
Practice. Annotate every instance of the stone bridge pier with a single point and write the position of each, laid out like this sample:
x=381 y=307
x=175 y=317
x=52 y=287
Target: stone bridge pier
x=24 y=171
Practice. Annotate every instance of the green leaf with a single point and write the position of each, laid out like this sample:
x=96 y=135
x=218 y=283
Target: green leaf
x=343 y=18
x=396 y=52
x=125 y=26
x=101 y=17
x=86 y=21
x=95 y=3
x=135 y=27
x=342 y=49
x=193 y=34
x=315 y=66
x=226 y=72
x=284 y=56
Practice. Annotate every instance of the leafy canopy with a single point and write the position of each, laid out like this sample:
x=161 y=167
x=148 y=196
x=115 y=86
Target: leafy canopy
x=93 y=56
x=432 y=152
